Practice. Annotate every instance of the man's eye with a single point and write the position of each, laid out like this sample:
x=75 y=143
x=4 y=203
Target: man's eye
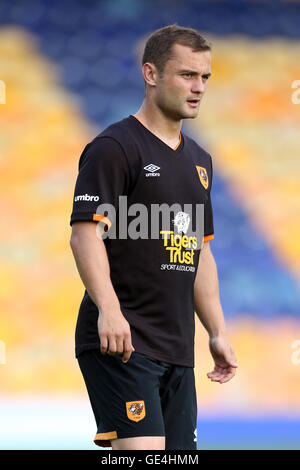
x=187 y=75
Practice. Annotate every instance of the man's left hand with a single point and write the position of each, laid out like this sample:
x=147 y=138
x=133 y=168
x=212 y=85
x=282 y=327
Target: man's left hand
x=224 y=357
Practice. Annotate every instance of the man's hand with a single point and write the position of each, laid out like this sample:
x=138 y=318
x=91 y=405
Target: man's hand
x=224 y=357
x=114 y=333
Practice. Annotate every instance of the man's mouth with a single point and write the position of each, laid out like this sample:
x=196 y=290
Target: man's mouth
x=194 y=102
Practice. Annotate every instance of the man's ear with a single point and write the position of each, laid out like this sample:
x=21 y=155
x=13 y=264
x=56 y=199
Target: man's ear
x=150 y=74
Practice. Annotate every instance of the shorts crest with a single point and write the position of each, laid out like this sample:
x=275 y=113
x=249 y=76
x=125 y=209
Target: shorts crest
x=135 y=410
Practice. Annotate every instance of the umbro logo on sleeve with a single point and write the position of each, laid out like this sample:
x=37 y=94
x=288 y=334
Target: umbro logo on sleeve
x=152 y=169
x=86 y=197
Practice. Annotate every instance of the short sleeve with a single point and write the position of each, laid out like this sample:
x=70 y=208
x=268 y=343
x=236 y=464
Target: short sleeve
x=103 y=176
x=208 y=212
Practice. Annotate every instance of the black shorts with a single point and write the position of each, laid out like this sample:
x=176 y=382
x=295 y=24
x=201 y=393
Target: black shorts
x=143 y=397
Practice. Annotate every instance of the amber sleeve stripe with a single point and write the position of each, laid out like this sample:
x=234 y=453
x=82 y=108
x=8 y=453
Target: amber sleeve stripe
x=208 y=237
x=102 y=218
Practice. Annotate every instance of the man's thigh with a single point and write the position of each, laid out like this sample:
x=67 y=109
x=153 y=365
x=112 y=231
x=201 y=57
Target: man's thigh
x=139 y=443
x=124 y=397
x=179 y=407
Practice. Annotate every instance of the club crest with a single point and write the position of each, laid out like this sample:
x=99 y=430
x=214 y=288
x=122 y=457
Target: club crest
x=135 y=410
x=203 y=176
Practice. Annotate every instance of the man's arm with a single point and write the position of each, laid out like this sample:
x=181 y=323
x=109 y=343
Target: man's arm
x=210 y=313
x=92 y=263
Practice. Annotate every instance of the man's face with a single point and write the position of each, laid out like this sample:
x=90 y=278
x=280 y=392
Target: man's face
x=179 y=91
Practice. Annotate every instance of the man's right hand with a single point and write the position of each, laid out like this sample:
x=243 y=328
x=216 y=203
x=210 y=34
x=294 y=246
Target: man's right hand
x=114 y=333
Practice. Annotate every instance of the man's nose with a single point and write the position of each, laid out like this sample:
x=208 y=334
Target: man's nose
x=198 y=85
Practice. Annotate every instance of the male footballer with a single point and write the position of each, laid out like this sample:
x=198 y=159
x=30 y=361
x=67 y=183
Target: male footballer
x=136 y=323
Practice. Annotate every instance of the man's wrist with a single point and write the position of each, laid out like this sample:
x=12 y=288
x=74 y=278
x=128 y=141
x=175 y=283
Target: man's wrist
x=108 y=305
x=217 y=334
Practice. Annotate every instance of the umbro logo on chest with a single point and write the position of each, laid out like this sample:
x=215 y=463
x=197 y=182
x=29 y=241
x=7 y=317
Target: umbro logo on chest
x=151 y=170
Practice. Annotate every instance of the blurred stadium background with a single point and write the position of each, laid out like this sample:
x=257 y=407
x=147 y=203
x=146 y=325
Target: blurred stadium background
x=72 y=68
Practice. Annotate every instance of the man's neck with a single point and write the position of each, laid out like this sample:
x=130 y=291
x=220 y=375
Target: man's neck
x=166 y=130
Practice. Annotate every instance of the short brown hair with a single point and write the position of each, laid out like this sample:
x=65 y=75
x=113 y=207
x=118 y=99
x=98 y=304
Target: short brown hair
x=158 y=48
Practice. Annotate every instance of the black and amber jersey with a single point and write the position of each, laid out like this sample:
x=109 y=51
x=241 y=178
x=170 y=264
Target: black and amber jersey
x=153 y=264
